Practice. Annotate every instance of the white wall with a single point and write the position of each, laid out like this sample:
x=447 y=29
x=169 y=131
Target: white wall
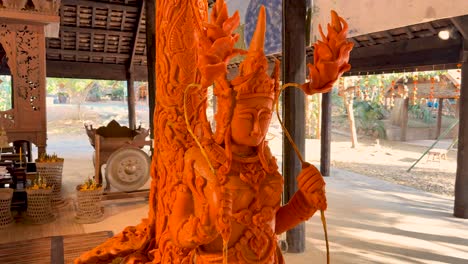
x=366 y=16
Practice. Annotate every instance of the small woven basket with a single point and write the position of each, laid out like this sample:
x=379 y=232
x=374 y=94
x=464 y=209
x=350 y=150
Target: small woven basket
x=39 y=206
x=88 y=205
x=6 y=219
x=52 y=172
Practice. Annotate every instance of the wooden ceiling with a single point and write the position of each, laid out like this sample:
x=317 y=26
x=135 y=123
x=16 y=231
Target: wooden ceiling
x=102 y=38
x=97 y=37
x=410 y=48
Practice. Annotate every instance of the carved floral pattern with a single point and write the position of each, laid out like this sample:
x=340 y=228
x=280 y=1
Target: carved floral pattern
x=50 y=7
x=23 y=50
x=28 y=64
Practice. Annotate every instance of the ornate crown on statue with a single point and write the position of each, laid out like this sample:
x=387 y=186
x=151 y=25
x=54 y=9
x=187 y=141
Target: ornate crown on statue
x=253 y=79
x=217 y=42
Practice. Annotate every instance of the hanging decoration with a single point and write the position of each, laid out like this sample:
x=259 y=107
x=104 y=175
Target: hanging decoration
x=457 y=85
x=381 y=96
x=392 y=94
x=366 y=88
x=357 y=85
x=415 y=90
x=431 y=93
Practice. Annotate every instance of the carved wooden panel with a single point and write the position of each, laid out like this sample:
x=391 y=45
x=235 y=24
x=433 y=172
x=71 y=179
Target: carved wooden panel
x=24 y=47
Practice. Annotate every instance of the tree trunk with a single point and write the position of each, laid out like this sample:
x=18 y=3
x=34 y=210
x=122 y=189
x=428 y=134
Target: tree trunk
x=404 y=120
x=352 y=125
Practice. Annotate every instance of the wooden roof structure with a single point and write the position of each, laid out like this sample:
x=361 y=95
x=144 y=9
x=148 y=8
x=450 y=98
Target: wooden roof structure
x=410 y=48
x=443 y=88
x=101 y=39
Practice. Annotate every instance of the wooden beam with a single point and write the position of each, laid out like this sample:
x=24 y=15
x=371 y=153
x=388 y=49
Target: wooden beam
x=93 y=19
x=125 y=195
x=96 y=31
x=151 y=60
x=294 y=69
x=62 y=43
x=325 y=137
x=131 y=101
x=405 y=47
x=92 y=54
x=431 y=28
x=137 y=34
x=97 y=4
x=409 y=33
x=461 y=181
x=398 y=56
x=77 y=16
x=356 y=43
x=109 y=16
x=461 y=23
x=404 y=120
x=371 y=39
x=439 y=117
x=415 y=59
x=100 y=71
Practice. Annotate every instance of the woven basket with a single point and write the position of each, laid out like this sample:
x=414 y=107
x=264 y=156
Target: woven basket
x=88 y=205
x=5 y=206
x=39 y=206
x=52 y=172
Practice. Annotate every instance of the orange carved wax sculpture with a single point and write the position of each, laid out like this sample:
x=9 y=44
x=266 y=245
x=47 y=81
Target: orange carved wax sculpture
x=228 y=201
x=331 y=56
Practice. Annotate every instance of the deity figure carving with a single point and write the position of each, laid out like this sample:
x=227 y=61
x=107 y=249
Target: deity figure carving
x=228 y=202
x=219 y=195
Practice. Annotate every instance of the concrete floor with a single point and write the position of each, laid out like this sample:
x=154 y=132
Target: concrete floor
x=369 y=220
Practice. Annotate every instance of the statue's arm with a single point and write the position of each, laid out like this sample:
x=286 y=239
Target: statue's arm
x=296 y=211
x=305 y=202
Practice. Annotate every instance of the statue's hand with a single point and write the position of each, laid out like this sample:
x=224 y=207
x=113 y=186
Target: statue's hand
x=312 y=186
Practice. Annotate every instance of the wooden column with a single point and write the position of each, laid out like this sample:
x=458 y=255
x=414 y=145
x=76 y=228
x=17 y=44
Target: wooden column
x=294 y=70
x=439 y=117
x=318 y=128
x=461 y=182
x=404 y=120
x=131 y=102
x=325 y=139
x=151 y=60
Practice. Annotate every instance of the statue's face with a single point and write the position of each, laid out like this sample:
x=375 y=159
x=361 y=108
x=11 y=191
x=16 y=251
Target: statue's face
x=251 y=120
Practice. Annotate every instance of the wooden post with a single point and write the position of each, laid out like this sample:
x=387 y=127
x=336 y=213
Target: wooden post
x=439 y=116
x=318 y=128
x=461 y=182
x=151 y=60
x=404 y=120
x=97 y=161
x=131 y=101
x=325 y=139
x=294 y=70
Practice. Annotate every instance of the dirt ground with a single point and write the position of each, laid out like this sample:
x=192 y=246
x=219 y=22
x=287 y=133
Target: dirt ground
x=387 y=160
x=390 y=160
